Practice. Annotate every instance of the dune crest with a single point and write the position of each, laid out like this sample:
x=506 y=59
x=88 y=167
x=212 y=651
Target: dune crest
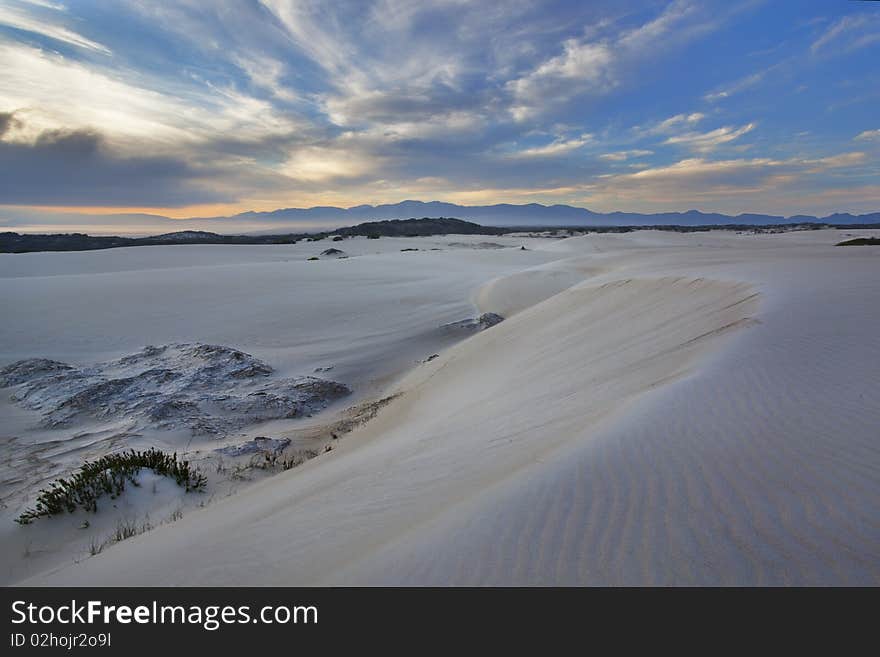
x=466 y=422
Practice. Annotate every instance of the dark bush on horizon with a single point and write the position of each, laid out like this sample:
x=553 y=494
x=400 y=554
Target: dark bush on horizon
x=861 y=241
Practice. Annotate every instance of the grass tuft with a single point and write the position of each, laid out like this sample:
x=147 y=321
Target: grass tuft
x=108 y=476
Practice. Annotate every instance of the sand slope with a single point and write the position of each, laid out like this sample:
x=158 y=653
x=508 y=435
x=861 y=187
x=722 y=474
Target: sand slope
x=699 y=409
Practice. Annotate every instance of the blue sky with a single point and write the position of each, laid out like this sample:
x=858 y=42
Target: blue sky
x=204 y=108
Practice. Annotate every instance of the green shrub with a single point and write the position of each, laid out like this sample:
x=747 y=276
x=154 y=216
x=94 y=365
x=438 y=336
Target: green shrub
x=861 y=241
x=108 y=475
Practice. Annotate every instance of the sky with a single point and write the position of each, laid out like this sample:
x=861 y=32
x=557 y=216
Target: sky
x=194 y=108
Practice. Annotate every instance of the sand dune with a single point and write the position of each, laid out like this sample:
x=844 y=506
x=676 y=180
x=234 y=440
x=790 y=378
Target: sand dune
x=657 y=409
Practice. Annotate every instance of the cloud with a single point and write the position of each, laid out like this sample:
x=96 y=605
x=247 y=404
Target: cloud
x=696 y=180
x=672 y=124
x=595 y=66
x=580 y=68
x=848 y=33
x=8 y=122
x=46 y=4
x=557 y=147
x=699 y=171
x=128 y=105
x=737 y=87
x=272 y=103
x=326 y=163
x=323 y=45
x=620 y=156
x=390 y=109
x=708 y=141
x=818 y=165
x=868 y=135
x=77 y=167
x=45 y=26
x=266 y=73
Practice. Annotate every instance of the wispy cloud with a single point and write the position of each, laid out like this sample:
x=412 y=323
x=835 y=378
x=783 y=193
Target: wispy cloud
x=671 y=124
x=620 y=156
x=868 y=135
x=848 y=33
x=594 y=65
x=737 y=87
x=790 y=183
x=581 y=67
x=266 y=73
x=44 y=83
x=47 y=4
x=20 y=19
x=557 y=147
x=703 y=142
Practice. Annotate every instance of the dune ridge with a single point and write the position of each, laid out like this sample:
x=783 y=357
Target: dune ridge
x=571 y=362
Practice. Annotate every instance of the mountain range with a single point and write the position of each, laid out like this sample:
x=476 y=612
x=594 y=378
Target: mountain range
x=532 y=214
x=324 y=218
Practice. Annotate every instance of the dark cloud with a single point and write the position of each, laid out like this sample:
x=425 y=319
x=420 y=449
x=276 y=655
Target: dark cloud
x=77 y=167
x=7 y=122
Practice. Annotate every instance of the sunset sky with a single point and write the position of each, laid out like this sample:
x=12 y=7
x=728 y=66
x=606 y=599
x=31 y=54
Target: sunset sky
x=208 y=108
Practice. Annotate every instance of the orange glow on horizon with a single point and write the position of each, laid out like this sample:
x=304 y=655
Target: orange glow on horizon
x=186 y=212
x=216 y=210
x=465 y=197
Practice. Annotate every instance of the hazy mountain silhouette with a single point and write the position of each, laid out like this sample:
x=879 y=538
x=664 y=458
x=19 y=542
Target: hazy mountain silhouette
x=535 y=214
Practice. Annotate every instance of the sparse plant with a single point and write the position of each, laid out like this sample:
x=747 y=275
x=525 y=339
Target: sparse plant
x=240 y=473
x=264 y=460
x=127 y=528
x=109 y=476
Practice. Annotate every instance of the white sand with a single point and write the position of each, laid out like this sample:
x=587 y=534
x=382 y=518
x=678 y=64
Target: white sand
x=697 y=409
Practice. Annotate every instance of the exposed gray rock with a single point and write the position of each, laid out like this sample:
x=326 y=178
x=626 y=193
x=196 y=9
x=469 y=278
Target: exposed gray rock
x=208 y=389
x=26 y=370
x=332 y=252
x=489 y=319
x=481 y=323
x=255 y=446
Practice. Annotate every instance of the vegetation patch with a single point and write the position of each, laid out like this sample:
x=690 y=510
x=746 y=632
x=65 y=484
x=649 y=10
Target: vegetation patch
x=861 y=241
x=108 y=476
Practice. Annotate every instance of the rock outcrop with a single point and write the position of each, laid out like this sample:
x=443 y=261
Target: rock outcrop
x=208 y=389
x=480 y=323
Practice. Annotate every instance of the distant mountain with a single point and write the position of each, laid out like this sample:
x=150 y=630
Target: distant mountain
x=324 y=218
x=534 y=214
